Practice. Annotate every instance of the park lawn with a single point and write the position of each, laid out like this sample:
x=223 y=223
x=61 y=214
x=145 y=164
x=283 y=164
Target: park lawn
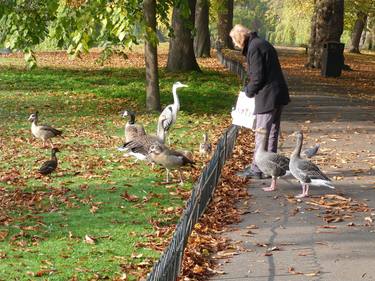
x=47 y=223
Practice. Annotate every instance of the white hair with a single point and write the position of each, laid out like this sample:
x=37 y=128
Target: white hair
x=238 y=34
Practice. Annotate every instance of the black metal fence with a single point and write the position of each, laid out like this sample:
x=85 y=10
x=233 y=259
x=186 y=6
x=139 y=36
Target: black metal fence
x=234 y=66
x=169 y=265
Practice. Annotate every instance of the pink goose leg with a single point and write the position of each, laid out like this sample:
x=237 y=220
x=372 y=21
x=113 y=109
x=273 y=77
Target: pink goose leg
x=272 y=187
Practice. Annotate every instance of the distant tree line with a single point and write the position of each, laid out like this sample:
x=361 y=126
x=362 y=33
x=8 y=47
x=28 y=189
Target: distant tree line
x=193 y=26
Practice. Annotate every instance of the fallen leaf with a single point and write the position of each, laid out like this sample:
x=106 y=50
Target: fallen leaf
x=369 y=219
x=252 y=226
x=261 y=245
x=291 y=270
x=3 y=255
x=136 y=256
x=44 y=272
x=3 y=235
x=311 y=274
x=129 y=197
x=198 y=269
x=328 y=226
x=93 y=209
x=89 y=240
x=225 y=254
x=275 y=248
x=303 y=254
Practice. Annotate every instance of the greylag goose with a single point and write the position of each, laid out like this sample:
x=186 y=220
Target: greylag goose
x=169 y=115
x=310 y=152
x=140 y=145
x=43 y=132
x=205 y=147
x=270 y=163
x=50 y=165
x=305 y=171
x=169 y=159
x=132 y=129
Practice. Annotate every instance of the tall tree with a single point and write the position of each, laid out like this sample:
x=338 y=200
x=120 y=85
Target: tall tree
x=225 y=22
x=356 y=13
x=359 y=25
x=181 y=48
x=369 y=43
x=202 y=42
x=327 y=25
x=151 y=57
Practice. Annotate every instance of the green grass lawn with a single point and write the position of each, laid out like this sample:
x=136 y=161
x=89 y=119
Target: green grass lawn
x=44 y=221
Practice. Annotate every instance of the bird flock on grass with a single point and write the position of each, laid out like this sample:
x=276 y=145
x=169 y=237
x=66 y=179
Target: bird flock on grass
x=138 y=143
x=153 y=149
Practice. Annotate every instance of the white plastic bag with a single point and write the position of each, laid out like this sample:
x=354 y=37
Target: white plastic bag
x=243 y=114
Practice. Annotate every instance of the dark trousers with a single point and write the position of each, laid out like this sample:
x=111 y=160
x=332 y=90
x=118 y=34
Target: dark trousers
x=271 y=122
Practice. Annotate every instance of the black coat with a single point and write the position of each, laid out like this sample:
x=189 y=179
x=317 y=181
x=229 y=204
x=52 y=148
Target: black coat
x=266 y=80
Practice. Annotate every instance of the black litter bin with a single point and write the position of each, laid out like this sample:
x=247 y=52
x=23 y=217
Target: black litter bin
x=332 y=59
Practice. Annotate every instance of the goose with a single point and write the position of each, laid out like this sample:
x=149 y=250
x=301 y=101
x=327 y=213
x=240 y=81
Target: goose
x=43 y=132
x=205 y=147
x=169 y=114
x=50 y=165
x=305 y=171
x=139 y=146
x=270 y=163
x=169 y=159
x=132 y=129
x=312 y=151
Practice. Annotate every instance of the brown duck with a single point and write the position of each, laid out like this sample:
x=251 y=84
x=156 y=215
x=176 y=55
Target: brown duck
x=49 y=166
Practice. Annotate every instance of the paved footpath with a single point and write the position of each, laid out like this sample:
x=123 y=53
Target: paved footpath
x=281 y=238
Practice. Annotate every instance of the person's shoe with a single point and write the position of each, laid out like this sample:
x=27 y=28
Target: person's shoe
x=249 y=174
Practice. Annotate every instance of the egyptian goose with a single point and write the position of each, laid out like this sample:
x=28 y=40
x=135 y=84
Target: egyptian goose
x=43 y=132
x=169 y=159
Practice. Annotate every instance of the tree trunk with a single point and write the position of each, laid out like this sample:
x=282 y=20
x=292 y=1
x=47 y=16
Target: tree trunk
x=151 y=57
x=181 y=48
x=225 y=23
x=327 y=25
x=312 y=43
x=369 y=42
x=202 y=44
x=357 y=32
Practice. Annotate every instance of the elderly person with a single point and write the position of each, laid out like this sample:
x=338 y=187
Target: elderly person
x=266 y=83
